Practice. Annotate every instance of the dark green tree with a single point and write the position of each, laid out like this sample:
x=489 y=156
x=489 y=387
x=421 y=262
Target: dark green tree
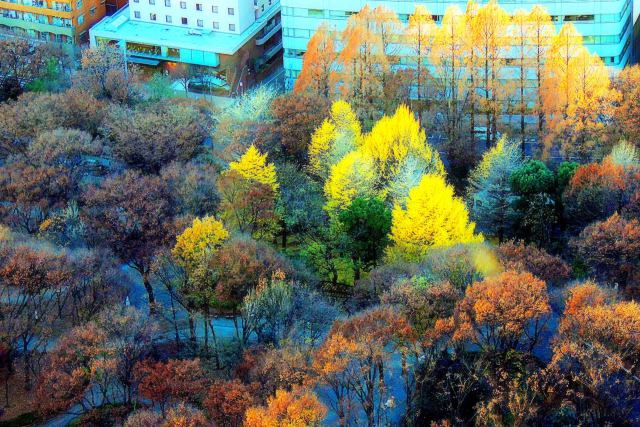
x=367 y=223
x=534 y=184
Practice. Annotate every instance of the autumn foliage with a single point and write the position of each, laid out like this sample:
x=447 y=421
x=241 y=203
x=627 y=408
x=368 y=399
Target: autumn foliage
x=438 y=226
x=501 y=313
x=298 y=408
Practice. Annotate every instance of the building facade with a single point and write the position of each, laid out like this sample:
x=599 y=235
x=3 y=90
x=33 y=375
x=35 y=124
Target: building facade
x=227 y=38
x=62 y=21
x=606 y=25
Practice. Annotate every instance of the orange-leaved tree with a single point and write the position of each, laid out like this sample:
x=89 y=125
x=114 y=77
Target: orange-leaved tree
x=501 y=313
x=598 y=347
x=318 y=64
x=353 y=360
x=296 y=408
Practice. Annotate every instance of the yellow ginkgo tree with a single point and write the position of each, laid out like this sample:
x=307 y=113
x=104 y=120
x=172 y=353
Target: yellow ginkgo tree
x=204 y=236
x=384 y=164
x=340 y=134
x=354 y=176
x=248 y=193
x=254 y=166
x=433 y=217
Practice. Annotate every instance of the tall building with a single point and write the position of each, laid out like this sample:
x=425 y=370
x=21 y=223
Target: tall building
x=62 y=21
x=227 y=39
x=606 y=25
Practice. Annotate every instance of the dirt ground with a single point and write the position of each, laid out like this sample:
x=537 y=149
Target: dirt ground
x=20 y=401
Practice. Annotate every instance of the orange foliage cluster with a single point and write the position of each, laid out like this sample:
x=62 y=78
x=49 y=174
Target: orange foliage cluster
x=518 y=256
x=174 y=380
x=501 y=312
x=600 y=333
x=227 y=401
x=298 y=408
x=606 y=174
x=611 y=249
x=64 y=386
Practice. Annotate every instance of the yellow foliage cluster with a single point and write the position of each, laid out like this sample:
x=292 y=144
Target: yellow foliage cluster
x=576 y=94
x=433 y=217
x=394 y=138
x=203 y=236
x=254 y=166
x=298 y=408
x=354 y=176
x=5 y=233
x=338 y=135
x=483 y=169
x=356 y=165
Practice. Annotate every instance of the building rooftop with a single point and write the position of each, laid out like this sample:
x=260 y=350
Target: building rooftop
x=120 y=26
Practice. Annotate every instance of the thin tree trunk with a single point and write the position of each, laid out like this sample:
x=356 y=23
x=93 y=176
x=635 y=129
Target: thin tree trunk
x=206 y=333
x=175 y=320
x=192 y=332
x=147 y=285
x=215 y=344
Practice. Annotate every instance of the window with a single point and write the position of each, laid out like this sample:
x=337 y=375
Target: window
x=168 y=19
x=136 y=14
x=316 y=13
x=79 y=4
x=167 y=3
x=152 y=1
x=214 y=9
x=185 y=21
x=578 y=18
x=232 y=27
x=92 y=11
x=136 y=1
x=183 y=5
x=216 y=25
x=200 y=23
x=81 y=19
x=153 y=16
x=199 y=6
x=231 y=11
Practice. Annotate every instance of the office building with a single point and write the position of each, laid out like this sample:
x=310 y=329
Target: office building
x=229 y=39
x=606 y=25
x=62 y=21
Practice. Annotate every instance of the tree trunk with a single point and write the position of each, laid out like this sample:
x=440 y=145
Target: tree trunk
x=206 y=333
x=192 y=332
x=215 y=344
x=175 y=320
x=147 y=285
x=26 y=357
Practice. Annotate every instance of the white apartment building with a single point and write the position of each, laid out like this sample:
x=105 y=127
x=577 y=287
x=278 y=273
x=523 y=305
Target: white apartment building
x=229 y=37
x=606 y=25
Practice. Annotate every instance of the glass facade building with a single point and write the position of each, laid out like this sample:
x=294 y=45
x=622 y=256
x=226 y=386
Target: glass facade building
x=606 y=25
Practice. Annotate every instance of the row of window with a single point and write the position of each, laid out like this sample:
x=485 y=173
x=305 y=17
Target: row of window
x=343 y=14
x=304 y=33
x=42 y=19
x=40 y=35
x=59 y=6
x=183 y=5
x=184 y=21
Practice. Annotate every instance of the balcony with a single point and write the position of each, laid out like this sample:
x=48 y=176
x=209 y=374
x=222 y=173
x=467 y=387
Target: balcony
x=267 y=33
x=268 y=54
x=272 y=51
